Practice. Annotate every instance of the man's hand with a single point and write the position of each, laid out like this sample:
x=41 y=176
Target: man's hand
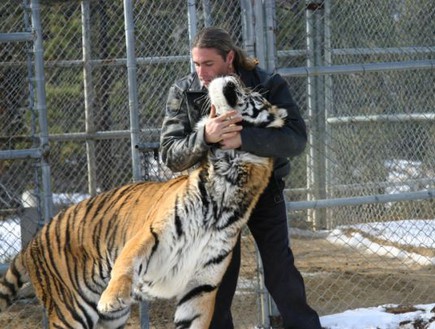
x=231 y=141
x=222 y=129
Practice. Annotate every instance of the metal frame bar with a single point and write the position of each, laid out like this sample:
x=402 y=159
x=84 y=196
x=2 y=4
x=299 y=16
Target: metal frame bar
x=354 y=201
x=358 y=68
x=16 y=37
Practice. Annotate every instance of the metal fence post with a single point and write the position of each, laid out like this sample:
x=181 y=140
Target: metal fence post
x=328 y=107
x=41 y=107
x=248 y=29
x=264 y=296
x=132 y=88
x=260 y=41
x=191 y=17
x=89 y=96
x=134 y=119
x=316 y=113
x=208 y=19
x=270 y=51
x=261 y=55
x=270 y=22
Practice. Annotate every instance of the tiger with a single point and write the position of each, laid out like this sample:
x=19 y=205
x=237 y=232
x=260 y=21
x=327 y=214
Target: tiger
x=147 y=240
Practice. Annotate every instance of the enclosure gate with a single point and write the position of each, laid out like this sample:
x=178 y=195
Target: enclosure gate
x=32 y=36
x=37 y=104
x=311 y=56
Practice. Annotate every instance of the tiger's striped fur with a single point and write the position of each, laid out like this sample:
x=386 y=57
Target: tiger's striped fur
x=149 y=239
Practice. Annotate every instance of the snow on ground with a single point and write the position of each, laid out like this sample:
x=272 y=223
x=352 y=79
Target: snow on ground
x=402 y=171
x=407 y=233
x=10 y=239
x=383 y=317
x=402 y=233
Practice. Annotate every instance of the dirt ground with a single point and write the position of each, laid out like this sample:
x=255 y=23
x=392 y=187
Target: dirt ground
x=337 y=278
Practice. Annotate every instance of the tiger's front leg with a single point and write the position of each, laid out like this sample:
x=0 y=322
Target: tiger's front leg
x=118 y=293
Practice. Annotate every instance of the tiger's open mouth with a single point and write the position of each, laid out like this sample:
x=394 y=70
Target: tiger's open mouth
x=228 y=93
x=225 y=93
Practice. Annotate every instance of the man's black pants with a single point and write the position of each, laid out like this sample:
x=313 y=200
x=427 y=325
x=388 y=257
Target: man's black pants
x=268 y=225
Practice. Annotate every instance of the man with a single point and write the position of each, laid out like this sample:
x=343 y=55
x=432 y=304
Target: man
x=214 y=54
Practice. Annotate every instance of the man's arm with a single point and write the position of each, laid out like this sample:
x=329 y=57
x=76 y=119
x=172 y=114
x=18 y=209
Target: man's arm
x=181 y=147
x=284 y=142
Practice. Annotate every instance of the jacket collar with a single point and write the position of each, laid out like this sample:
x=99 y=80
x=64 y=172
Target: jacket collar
x=195 y=84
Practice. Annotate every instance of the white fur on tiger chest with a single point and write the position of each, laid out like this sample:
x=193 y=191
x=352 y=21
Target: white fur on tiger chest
x=176 y=263
x=179 y=257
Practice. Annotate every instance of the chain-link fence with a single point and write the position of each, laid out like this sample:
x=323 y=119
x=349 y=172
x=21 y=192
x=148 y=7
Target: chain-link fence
x=361 y=71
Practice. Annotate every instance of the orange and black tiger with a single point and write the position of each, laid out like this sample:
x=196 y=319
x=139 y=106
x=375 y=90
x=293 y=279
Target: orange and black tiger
x=145 y=240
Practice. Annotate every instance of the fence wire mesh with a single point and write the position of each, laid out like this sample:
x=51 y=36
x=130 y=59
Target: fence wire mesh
x=361 y=72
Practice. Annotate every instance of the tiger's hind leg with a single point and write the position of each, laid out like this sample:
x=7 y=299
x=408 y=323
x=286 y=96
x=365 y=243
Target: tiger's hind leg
x=64 y=306
x=63 y=317
x=81 y=318
x=67 y=304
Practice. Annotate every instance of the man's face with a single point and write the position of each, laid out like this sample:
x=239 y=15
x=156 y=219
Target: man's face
x=210 y=64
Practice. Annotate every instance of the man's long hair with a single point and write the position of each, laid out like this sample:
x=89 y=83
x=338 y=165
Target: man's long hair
x=219 y=39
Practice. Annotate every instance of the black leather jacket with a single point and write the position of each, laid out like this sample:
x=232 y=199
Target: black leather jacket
x=182 y=147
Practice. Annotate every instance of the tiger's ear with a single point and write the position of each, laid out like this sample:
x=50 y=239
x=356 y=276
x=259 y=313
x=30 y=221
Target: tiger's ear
x=279 y=115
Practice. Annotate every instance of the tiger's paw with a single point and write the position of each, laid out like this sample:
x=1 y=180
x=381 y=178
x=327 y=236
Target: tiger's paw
x=117 y=296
